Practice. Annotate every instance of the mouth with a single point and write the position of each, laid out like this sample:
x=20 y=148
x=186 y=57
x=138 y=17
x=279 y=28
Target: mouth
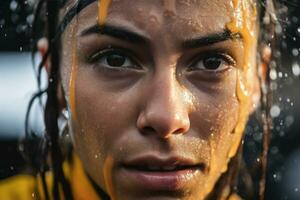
x=170 y=174
x=164 y=168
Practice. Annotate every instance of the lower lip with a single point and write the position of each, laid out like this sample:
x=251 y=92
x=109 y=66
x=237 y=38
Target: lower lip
x=161 y=180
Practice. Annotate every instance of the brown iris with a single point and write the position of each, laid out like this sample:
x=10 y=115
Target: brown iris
x=115 y=60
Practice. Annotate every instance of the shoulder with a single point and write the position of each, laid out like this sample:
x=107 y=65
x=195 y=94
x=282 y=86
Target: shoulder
x=235 y=197
x=20 y=187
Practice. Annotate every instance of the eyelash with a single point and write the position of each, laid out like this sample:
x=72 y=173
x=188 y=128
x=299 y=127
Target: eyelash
x=230 y=61
x=95 y=58
x=103 y=54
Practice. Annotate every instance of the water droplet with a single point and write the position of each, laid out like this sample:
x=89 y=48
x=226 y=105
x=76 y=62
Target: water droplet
x=2 y=22
x=29 y=19
x=13 y=5
x=296 y=69
x=296 y=189
x=298 y=29
x=278 y=29
x=274 y=150
x=275 y=111
x=273 y=86
x=21 y=147
x=273 y=74
x=277 y=176
x=295 y=52
x=281 y=133
x=286 y=75
x=289 y=120
x=257 y=136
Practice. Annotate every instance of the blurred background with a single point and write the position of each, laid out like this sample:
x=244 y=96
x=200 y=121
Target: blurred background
x=18 y=83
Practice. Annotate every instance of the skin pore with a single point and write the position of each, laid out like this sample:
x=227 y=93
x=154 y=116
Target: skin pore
x=159 y=80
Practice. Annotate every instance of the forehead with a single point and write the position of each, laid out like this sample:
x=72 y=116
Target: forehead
x=187 y=17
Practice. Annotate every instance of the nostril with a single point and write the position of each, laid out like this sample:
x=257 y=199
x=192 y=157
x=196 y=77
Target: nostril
x=179 y=131
x=148 y=129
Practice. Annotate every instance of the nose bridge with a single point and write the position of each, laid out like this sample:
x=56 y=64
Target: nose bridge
x=167 y=95
x=166 y=111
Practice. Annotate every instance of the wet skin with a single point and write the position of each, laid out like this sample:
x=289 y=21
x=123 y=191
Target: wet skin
x=149 y=90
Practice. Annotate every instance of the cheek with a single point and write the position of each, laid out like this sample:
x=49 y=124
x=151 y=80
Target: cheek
x=219 y=117
x=217 y=107
x=215 y=119
x=104 y=118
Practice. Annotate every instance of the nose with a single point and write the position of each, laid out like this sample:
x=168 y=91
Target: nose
x=166 y=110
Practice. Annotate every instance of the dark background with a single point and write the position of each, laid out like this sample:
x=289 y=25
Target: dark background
x=15 y=25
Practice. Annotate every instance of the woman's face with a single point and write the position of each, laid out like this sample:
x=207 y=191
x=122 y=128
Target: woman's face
x=153 y=95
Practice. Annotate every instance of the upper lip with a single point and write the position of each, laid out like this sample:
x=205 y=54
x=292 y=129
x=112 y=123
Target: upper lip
x=157 y=162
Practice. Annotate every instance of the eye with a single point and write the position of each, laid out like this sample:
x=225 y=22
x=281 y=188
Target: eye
x=114 y=59
x=213 y=62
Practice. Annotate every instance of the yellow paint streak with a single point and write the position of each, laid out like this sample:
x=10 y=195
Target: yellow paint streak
x=244 y=23
x=80 y=184
x=72 y=81
x=107 y=174
x=103 y=9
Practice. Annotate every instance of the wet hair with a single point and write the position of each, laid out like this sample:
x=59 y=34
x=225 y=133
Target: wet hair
x=47 y=18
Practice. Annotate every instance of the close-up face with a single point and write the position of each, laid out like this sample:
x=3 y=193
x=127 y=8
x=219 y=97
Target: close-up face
x=159 y=93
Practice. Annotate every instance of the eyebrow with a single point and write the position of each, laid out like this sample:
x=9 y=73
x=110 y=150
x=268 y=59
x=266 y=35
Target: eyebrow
x=133 y=37
x=130 y=36
x=121 y=33
x=210 y=39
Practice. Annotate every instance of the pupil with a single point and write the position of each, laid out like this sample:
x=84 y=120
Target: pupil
x=115 y=60
x=212 y=63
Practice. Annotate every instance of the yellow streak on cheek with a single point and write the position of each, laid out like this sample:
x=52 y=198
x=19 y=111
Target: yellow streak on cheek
x=72 y=81
x=107 y=174
x=243 y=22
x=103 y=8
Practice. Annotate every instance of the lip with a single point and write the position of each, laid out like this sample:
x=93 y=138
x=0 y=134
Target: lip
x=162 y=174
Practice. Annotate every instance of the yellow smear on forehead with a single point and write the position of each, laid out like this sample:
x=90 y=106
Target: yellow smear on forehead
x=103 y=9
